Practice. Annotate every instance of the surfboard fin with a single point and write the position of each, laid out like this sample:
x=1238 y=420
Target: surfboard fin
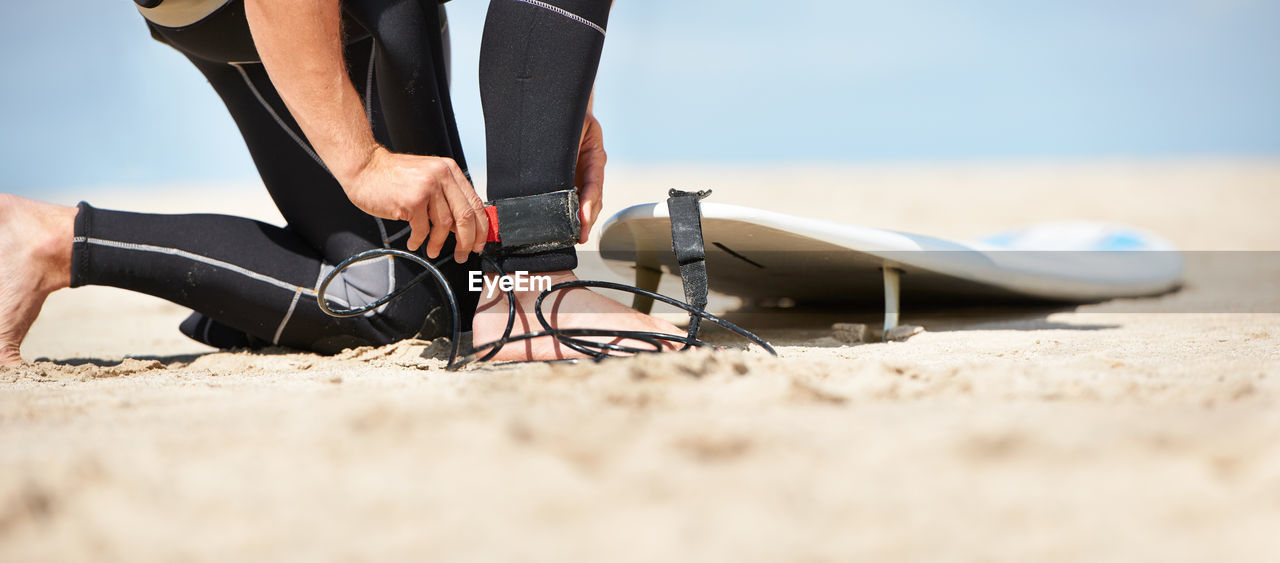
x=892 y=299
x=648 y=277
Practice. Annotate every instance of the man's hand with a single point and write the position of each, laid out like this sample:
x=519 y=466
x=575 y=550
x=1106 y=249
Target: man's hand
x=590 y=174
x=300 y=44
x=429 y=192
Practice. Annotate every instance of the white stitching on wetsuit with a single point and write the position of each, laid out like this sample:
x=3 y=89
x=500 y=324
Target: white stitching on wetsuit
x=206 y=260
x=287 y=316
x=276 y=116
x=382 y=232
x=191 y=256
x=565 y=13
x=399 y=234
x=368 y=83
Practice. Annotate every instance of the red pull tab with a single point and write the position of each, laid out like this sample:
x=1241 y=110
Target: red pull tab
x=492 y=212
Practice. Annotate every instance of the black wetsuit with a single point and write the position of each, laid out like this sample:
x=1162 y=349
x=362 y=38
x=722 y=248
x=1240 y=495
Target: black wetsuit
x=251 y=283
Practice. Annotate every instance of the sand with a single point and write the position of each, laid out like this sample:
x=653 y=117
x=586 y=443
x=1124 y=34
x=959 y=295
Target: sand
x=1134 y=430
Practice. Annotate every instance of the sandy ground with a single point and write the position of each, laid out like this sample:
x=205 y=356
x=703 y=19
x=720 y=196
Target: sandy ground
x=1136 y=430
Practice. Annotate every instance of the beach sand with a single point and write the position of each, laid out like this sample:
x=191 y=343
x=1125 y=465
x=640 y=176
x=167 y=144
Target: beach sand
x=1133 y=430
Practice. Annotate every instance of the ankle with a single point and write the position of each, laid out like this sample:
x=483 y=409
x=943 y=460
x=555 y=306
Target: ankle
x=51 y=245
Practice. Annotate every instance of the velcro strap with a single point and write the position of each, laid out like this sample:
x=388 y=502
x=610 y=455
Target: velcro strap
x=533 y=224
x=686 y=243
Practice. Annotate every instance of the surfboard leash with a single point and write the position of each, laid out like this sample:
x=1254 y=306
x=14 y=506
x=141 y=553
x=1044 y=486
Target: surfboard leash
x=524 y=234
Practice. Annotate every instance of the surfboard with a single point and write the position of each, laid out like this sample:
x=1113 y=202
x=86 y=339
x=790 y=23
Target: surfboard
x=770 y=259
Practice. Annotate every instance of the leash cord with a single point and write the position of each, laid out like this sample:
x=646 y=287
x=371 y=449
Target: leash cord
x=572 y=338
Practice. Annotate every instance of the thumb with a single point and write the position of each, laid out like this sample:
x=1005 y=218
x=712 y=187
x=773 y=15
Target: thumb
x=586 y=214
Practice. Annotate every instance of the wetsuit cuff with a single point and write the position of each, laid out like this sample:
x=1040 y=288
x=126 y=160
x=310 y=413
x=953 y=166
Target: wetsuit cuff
x=549 y=261
x=80 y=248
x=534 y=233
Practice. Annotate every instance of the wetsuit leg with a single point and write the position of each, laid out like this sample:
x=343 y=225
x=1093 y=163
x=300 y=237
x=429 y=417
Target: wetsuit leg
x=538 y=61
x=411 y=78
x=254 y=279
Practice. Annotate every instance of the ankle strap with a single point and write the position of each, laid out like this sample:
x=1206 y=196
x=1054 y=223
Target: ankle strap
x=533 y=224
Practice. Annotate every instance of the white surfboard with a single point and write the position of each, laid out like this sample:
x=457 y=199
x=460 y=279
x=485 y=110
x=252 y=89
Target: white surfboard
x=768 y=257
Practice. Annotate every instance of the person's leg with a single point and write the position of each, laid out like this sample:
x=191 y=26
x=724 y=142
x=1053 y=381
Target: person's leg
x=312 y=202
x=538 y=63
x=306 y=194
x=400 y=70
x=250 y=276
x=248 y=281
x=308 y=197
x=256 y=278
x=411 y=102
x=303 y=191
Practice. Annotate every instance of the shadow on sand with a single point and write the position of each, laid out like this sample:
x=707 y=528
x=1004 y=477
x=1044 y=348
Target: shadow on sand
x=794 y=326
x=167 y=360
x=800 y=325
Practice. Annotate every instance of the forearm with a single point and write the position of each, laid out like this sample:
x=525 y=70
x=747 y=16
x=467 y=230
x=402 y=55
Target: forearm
x=299 y=42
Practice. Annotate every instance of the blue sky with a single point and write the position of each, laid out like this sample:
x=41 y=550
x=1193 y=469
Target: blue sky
x=90 y=100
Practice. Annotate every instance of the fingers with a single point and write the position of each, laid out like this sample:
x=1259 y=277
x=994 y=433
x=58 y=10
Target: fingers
x=482 y=224
x=460 y=214
x=471 y=224
x=445 y=202
x=419 y=226
x=441 y=223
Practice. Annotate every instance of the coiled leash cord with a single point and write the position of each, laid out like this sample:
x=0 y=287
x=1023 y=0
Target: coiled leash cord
x=689 y=252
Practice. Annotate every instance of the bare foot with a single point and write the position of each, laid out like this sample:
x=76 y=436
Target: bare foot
x=571 y=308
x=35 y=260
